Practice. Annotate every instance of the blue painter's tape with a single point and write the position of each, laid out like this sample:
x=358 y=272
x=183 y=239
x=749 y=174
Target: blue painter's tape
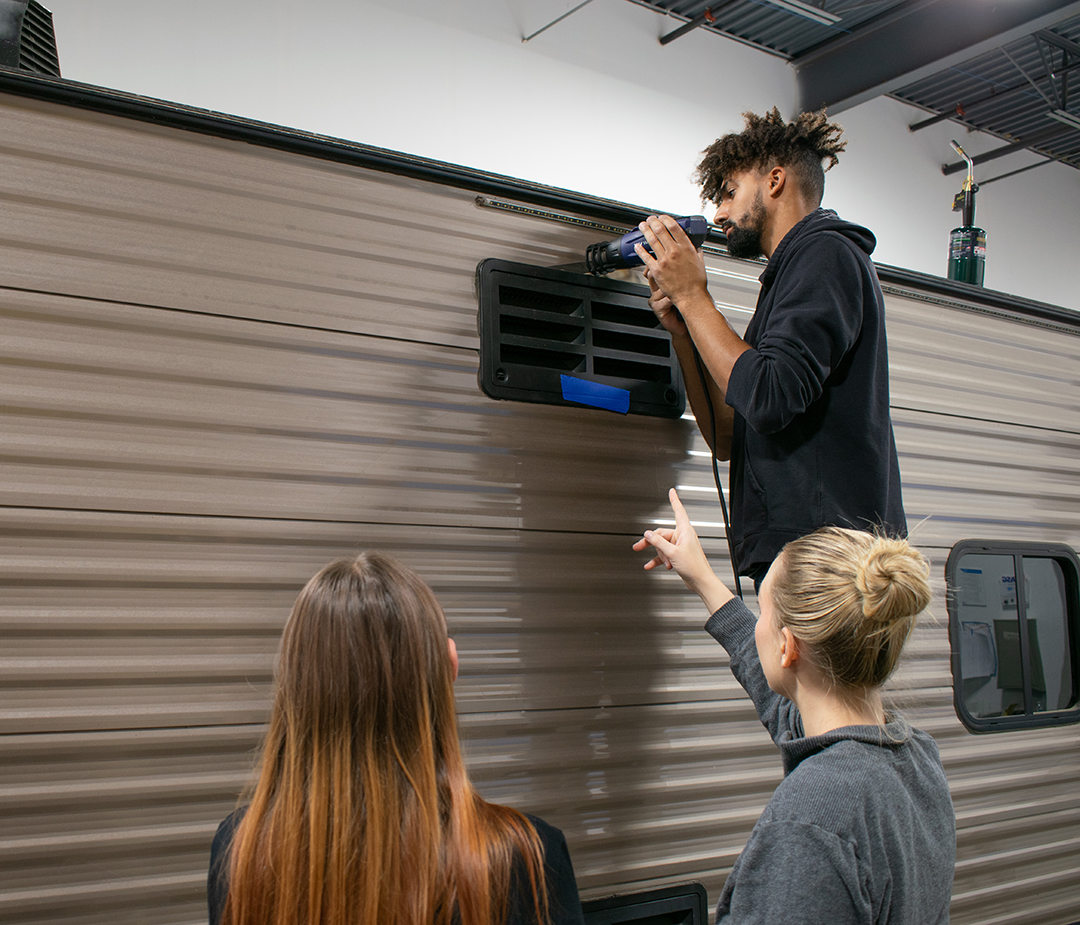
x=585 y=392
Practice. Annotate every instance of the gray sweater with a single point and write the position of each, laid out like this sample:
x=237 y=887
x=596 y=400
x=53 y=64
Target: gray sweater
x=861 y=830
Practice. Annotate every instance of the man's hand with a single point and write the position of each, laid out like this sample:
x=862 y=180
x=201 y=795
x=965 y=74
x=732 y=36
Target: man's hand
x=665 y=309
x=675 y=266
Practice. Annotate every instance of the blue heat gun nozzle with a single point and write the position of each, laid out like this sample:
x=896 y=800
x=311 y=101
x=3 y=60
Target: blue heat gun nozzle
x=615 y=255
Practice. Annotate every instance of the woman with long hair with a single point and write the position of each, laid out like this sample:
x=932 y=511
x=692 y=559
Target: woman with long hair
x=362 y=812
x=861 y=829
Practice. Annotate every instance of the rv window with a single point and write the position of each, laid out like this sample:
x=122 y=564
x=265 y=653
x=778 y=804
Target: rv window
x=1014 y=629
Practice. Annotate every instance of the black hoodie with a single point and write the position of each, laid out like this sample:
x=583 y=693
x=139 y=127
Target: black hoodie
x=813 y=441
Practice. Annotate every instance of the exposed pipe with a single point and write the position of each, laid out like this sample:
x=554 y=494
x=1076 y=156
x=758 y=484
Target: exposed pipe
x=1032 y=139
x=705 y=17
x=556 y=21
x=1013 y=173
x=708 y=16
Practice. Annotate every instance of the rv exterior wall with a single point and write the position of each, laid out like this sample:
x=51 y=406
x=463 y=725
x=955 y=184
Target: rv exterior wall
x=226 y=365
x=594 y=104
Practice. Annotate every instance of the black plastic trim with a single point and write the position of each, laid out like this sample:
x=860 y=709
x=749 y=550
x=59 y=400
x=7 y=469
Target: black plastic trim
x=680 y=904
x=980 y=297
x=324 y=147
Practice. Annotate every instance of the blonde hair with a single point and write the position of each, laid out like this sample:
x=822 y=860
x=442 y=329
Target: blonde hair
x=363 y=813
x=852 y=597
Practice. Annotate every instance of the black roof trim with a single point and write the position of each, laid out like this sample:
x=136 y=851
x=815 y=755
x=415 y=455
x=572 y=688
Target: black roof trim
x=265 y=134
x=976 y=298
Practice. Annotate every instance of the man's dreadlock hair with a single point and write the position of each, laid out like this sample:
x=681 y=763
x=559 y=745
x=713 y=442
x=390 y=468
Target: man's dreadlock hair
x=799 y=146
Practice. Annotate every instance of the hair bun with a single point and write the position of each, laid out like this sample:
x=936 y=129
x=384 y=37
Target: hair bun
x=892 y=580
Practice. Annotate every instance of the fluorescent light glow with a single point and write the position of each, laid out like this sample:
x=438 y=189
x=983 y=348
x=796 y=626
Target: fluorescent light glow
x=716 y=271
x=1067 y=117
x=727 y=307
x=709 y=489
x=693 y=523
x=805 y=9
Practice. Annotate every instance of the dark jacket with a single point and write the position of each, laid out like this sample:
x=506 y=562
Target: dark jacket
x=813 y=441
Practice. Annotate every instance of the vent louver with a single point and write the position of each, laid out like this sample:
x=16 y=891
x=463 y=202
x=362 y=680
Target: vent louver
x=27 y=40
x=560 y=338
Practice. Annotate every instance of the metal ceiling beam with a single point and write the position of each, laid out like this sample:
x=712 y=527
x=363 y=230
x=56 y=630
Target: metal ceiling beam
x=913 y=41
x=962 y=107
x=1052 y=38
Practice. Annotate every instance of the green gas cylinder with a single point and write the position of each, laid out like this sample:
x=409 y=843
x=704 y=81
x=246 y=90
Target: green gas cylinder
x=967 y=254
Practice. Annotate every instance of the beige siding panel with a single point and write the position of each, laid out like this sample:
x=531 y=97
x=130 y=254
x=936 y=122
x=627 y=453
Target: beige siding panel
x=225 y=365
x=969 y=365
x=114 y=826
x=100 y=207
x=967 y=478
x=125 y=621
x=114 y=407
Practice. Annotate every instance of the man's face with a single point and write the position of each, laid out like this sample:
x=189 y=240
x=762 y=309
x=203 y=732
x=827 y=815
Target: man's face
x=741 y=214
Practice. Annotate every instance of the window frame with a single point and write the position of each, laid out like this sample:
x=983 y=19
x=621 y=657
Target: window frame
x=1018 y=550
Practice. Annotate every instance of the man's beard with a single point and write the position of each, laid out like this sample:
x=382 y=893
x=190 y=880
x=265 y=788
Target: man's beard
x=745 y=240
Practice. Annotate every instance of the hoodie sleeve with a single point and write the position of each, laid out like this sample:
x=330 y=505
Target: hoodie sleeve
x=814 y=319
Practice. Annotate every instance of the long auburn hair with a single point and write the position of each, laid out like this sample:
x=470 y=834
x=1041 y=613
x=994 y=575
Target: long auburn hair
x=362 y=813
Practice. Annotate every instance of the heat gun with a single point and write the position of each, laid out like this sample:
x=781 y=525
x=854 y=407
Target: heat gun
x=615 y=255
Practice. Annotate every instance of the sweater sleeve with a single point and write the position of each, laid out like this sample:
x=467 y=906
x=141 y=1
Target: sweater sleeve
x=814 y=319
x=798 y=874
x=733 y=627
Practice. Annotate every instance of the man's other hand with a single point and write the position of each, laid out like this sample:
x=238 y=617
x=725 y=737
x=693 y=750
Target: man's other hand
x=665 y=309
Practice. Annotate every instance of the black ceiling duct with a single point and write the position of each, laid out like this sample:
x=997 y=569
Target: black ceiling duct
x=27 y=41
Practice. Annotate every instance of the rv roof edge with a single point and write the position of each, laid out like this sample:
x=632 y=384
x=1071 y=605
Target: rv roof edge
x=221 y=125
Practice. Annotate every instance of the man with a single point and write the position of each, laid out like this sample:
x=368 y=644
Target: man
x=800 y=405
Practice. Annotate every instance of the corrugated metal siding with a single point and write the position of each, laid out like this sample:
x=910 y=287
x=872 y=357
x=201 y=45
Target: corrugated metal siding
x=223 y=366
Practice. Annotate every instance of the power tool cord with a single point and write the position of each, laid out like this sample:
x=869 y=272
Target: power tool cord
x=716 y=466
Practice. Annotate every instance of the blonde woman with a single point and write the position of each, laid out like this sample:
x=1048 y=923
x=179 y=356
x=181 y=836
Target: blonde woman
x=362 y=813
x=862 y=829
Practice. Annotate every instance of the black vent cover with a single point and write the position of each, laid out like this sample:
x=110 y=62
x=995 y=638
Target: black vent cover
x=681 y=904
x=561 y=338
x=27 y=41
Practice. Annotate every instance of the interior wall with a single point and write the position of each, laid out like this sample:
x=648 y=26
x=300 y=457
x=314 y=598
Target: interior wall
x=593 y=104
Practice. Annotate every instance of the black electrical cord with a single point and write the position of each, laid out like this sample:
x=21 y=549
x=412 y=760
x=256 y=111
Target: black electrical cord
x=716 y=466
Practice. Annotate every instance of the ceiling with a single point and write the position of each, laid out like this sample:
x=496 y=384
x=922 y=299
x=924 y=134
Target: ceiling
x=1007 y=67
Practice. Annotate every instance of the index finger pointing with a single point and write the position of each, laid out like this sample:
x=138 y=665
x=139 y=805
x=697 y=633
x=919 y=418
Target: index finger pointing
x=682 y=519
